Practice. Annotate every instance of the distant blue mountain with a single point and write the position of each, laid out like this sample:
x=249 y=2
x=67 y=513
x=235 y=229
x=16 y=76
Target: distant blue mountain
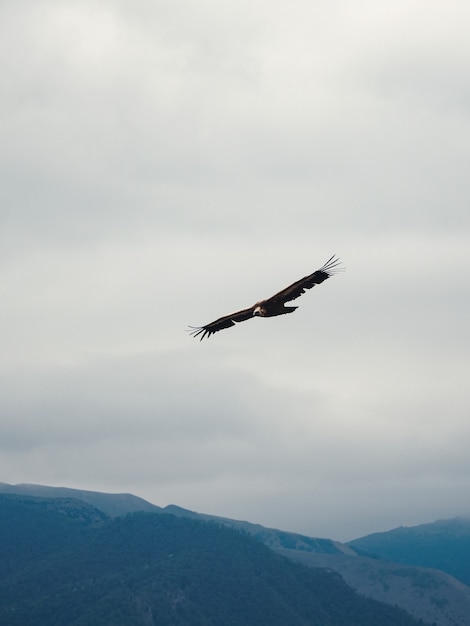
x=444 y=545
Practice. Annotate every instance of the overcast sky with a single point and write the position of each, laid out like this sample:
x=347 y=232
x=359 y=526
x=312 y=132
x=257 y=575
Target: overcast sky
x=166 y=163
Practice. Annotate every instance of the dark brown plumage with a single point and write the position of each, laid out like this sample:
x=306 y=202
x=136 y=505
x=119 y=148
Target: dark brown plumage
x=273 y=305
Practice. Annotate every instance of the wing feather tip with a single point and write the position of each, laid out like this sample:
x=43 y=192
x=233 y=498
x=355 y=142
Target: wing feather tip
x=195 y=331
x=332 y=266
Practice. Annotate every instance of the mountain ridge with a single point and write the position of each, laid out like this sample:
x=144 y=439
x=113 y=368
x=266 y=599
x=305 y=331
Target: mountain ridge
x=424 y=592
x=113 y=504
x=149 y=568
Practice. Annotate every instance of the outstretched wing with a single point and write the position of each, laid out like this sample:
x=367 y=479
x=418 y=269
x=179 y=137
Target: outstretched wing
x=295 y=290
x=221 y=323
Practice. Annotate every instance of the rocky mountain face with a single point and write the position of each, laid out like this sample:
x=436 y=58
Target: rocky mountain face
x=428 y=593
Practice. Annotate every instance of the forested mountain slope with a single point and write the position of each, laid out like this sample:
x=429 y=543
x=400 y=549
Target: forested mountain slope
x=64 y=562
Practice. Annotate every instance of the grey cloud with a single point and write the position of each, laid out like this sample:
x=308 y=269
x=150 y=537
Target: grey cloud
x=146 y=143
x=167 y=164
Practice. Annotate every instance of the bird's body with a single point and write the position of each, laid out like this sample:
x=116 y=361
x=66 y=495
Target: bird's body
x=275 y=305
x=264 y=309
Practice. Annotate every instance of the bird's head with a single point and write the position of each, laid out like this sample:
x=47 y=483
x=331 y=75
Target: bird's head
x=258 y=311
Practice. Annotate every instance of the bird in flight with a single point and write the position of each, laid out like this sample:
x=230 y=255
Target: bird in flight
x=275 y=304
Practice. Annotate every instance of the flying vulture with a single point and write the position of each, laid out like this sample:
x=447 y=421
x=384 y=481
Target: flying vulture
x=273 y=305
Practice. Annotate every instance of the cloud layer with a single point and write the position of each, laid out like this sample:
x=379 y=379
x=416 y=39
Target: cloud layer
x=163 y=165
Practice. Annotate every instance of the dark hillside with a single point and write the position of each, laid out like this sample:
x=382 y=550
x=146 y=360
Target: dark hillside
x=37 y=528
x=148 y=569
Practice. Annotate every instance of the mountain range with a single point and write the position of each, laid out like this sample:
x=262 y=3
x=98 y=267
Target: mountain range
x=423 y=570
